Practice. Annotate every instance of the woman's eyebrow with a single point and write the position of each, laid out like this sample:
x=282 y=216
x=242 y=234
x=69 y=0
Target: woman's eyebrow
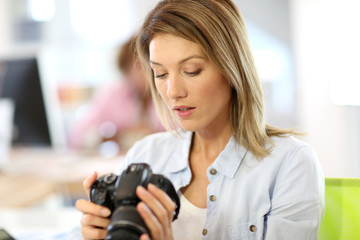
x=180 y=62
x=155 y=63
x=190 y=57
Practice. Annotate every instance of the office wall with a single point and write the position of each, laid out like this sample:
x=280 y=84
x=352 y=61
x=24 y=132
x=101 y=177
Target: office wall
x=326 y=43
x=4 y=25
x=268 y=24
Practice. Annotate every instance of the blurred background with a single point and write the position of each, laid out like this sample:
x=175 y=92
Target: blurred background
x=307 y=54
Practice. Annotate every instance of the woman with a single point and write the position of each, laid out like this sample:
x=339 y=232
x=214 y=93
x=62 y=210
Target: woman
x=237 y=177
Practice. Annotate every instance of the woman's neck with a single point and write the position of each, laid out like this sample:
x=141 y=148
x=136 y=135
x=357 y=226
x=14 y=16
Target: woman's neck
x=209 y=145
x=205 y=148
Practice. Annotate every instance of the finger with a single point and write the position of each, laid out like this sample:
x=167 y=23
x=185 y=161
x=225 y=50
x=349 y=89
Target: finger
x=89 y=232
x=165 y=199
x=86 y=206
x=89 y=181
x=94 y=221
x=150 y=220
x=144 y=237
x=155 y=205
x=159 y=202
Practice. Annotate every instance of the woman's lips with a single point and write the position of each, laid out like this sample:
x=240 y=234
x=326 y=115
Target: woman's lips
x=183 y=111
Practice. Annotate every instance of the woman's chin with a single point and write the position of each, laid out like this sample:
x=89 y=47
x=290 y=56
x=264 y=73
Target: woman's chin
x=187 y=126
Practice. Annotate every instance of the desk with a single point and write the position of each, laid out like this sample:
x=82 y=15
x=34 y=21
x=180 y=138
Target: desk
x=23 y=190
x=33 y=174
x=41 y=224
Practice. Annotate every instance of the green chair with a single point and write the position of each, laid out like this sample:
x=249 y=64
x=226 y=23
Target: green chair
x=342 y=210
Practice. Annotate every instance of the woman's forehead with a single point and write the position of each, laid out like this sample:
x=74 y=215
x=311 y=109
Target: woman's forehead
x=165 y=46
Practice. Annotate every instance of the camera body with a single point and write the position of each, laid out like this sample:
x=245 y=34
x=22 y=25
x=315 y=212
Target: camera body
x=118 y=193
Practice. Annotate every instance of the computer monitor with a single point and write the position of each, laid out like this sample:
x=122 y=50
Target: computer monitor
x=20 y=82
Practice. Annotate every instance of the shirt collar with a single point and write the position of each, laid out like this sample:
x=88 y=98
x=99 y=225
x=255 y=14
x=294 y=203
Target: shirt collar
x=227 y=162
x=180 y=156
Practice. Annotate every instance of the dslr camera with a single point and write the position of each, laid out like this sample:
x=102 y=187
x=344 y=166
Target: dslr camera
x=118 y=194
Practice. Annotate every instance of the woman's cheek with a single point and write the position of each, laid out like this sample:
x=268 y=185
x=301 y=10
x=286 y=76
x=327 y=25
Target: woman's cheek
x=161 y=87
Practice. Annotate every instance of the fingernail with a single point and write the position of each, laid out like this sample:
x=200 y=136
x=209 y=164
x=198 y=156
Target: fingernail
x=143 y=206
x=151 y=186
x=140 y=189
x=105 y=212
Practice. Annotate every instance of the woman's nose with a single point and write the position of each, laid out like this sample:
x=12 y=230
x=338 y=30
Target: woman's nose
x=176 y=87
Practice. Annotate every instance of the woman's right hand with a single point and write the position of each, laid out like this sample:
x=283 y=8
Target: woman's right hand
x=95 y=218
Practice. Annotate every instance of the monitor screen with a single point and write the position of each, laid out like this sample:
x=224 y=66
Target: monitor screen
x=20 y=82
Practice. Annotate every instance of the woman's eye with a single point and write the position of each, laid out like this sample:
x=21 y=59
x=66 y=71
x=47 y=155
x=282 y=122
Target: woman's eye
x=193 y=73
x=160 y=75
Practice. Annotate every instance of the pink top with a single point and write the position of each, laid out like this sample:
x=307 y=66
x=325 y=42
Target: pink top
x=120 y=105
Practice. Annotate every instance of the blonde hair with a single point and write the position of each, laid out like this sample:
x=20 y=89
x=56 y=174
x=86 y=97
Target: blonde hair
x=219 y=29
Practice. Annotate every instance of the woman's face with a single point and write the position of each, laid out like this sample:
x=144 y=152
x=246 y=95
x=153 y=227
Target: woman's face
x=190 y=84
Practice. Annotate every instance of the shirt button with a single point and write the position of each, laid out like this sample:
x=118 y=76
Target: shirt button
x=212 y=171
x=204 y=232
x=252 y=228
x=212 y=198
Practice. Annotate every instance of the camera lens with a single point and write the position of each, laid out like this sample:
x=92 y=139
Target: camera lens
x=122 y=234
x=126 y=224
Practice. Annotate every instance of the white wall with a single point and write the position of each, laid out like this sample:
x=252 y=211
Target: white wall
x=326 y=43
x=4 y=25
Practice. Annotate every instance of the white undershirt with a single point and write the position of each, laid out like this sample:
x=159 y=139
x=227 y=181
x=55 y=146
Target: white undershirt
x=190 y=222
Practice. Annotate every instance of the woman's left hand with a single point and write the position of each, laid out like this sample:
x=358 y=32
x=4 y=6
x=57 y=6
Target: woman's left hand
x=157 y=210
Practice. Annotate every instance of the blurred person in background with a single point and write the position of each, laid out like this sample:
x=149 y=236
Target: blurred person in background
x=120 y=113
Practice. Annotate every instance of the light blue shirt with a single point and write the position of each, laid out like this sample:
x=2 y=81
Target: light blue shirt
x=279 y=197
